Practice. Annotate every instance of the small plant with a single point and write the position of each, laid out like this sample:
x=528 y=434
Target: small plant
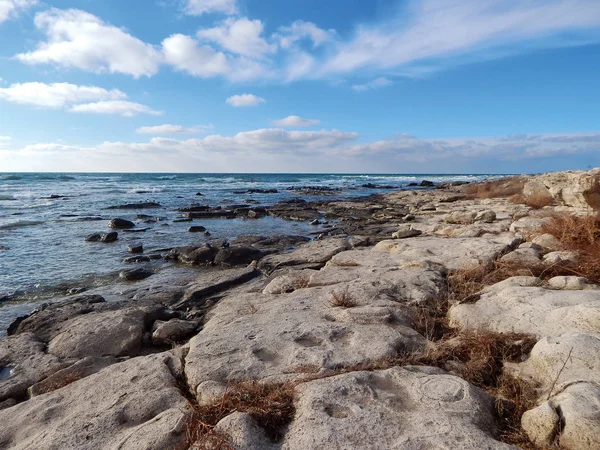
x=270 y=405
x=342 y=299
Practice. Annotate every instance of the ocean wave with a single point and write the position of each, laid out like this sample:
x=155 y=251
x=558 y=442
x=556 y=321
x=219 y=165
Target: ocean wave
x=12 y=177
x=19 y=224
x=7 y=197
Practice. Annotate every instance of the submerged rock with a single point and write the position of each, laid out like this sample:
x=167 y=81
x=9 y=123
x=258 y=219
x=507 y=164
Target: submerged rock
x=102 y=237
x=135 y=274
x=120 y=224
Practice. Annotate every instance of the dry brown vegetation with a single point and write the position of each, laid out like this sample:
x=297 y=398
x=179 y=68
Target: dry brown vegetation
x=580 y=234
x=535 y=200
x=270 y=405
x=342 y=299
x=503 y=187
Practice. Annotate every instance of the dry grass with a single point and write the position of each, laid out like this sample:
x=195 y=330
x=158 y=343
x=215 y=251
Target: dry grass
x=270 y=405
x=342 y=299
x=580 y=234
x=503 y=187
x=535 y=201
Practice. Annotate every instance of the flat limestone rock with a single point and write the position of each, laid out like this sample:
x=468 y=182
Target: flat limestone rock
x=24 y=362
x=534 y=310
x=110 y=333
x=452 y=253
x=131 y=405
x=259 y=336
x=403 y=407
x=318 y=252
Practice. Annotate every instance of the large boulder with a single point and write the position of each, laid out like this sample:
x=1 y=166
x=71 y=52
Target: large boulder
x=131 y=405
x=578 y=189
x=120 y=224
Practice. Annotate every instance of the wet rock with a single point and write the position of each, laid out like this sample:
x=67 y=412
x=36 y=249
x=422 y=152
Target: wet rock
x=135 y=274
x=197 y=229
x=427 y=183
x=238 y=256
x=103 y=237
x=120 y=224
x=135 y=248
x=194 y=255
x=142 y=205
x=129 y=406
x=174 y=330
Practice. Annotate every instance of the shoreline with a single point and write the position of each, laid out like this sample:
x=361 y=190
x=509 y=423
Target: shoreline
x=378 y=306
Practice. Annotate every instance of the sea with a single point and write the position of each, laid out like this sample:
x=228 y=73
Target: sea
x=44 y=218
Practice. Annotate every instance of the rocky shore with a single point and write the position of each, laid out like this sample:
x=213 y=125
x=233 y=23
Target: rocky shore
x=460 y=317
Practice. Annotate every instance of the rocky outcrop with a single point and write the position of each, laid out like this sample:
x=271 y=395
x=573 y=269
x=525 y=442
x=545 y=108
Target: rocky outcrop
x=577 y=189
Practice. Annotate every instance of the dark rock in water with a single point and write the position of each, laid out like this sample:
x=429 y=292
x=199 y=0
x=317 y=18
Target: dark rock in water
x=197 y=229
x=427 y=183
x=184 y=219
x=413 y=184
x=195 y=208
x=207 y=234
x=135 y=248
x=257 y=191
x=193 y=255
x=377 y=186
x=6 y=297
x=143 y=205
x=199 y=194
x=90 y=219
x=55 y=196
x=135 y=274
x=136 y=259
x=139 y=230
x=4 y=247
x=120 y=224
x=103 y=237
x=237 y=256
x=214 y=214
x=315 y=222
x=225 y=244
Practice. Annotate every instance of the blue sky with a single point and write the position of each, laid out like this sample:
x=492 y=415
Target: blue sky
x=442 y=86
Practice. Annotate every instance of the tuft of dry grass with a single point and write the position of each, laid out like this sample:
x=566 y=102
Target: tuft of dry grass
x=535 y=200
x=502 y=187
x=342 y=299
x=270 y=405
x=580 y=234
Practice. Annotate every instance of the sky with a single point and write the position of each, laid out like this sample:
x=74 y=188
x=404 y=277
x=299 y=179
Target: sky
x=350 y=86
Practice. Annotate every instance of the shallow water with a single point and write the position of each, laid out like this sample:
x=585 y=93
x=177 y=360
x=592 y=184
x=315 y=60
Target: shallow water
x=42 y=247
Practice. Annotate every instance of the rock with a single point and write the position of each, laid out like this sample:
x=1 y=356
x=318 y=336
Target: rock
x=46 y=322
x=523 y=257
x=570 y=283
x=86 y=335
x=132 y=405
x=9 y=402
x=427 y=183
x=577 y=189
x=196 y=229
x=406 y=231
x=174 y=330
x=564 y=258
x=531 y=245
x=120 y=224
x=460 y=217
x=142 y=230
x=527 y=224
x=402 y=407
x=316 y=253
x=135 y=248
x=533 y=310
x=243 y=342
x=315 y=222
x=103 y=237
x=81 y=369
x=135 y=274
x=183 y=219
x=238 y=256
x=24 y=362
x=242 y=432
x=137 y=259
x=409 y=217
x=487 y=216
x=548 y=242
x=210 y=392
x=194 y=255
x=541 y=424
x=214 y=282
x=428 y=207
x=142 y=205
x=293 y=280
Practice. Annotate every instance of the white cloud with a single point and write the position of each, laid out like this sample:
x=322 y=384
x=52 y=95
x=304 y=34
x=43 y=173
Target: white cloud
x=56 y=95
x=453 y=28
x=299 y=30
x=243 y=100
x=173 y=129
x=295 y=122
x=11 y=8
x=121 y=107
x=375 y=84
x=5 y=141
x=240 y=36
x=185 y=54
x=77 y=39
x=199 y=7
